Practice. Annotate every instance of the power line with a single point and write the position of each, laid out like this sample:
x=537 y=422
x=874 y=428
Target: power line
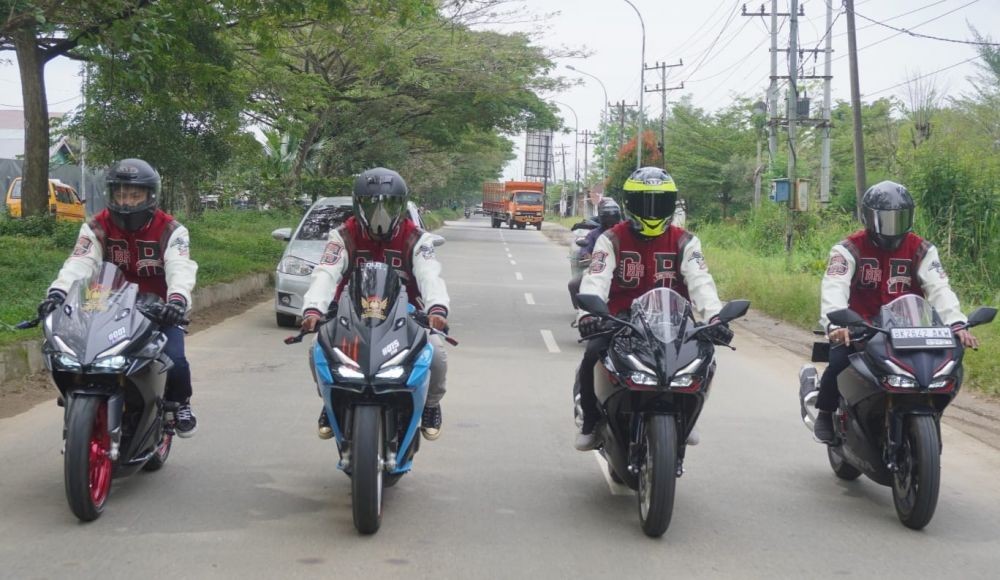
x=704 y=55
x=918 y=35
x=915 y=10
x=908 y=81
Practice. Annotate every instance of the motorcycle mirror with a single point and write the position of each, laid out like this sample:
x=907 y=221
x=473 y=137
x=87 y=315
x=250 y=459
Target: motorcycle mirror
x=593 y=304
x=437 y=240
x=846 y=317
x=581 y=242
x=282 y=234
x=734 y=309
x=982 y=315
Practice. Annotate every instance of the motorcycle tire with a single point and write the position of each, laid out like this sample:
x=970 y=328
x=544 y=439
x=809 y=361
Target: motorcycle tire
x=915 y=486
x=658 y=475
x=159 y=458
x=842 y=468
x=87 y=463
x=366 y=468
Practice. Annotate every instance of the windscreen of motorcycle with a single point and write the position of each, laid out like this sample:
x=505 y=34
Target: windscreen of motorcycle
x=662 y=312
x=374 y=290
x=909 y=311
x=96 y=314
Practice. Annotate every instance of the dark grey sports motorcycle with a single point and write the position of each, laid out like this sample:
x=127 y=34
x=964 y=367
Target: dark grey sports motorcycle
x=650 y=387
x=905 y=373
x=105 y=351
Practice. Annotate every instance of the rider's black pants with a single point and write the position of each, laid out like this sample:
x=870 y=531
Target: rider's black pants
x=179 y=376
x=828 y=396
x=585 y=374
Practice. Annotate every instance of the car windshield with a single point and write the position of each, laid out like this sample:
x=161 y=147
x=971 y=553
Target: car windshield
x=909 y=311
x=661 y=312
x=318 y=223
x=528 y=197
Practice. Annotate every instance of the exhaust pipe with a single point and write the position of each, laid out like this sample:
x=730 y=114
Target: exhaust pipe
x=808 y=393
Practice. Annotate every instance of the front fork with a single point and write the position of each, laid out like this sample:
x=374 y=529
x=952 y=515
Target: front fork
x=894 y=421
x=637 y=444
x=116 y=407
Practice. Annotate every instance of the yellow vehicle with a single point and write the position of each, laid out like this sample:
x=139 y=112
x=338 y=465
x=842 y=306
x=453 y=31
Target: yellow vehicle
x=64 y=203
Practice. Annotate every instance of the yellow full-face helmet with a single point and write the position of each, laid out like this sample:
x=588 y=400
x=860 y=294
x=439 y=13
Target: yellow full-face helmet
x=650 y=199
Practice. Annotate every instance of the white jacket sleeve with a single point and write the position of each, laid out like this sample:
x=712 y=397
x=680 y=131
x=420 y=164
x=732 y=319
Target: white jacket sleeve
x=181 y=271
x=326 y=275
x=597 y=279
x=835 y=290
x=427 y=271
x=937 y=289
x=83 y=262
x=700 y=284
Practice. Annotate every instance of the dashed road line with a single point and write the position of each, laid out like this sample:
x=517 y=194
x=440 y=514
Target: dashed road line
x=529 y=298
x=518 y=276
x=550 y=341
x=615 y=488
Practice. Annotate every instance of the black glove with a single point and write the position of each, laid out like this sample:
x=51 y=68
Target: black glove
x=172 y=313
x=53 y=301
x=589 y=326
x=718 y=334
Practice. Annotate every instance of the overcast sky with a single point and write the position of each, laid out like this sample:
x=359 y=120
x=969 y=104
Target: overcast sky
x=725 y=54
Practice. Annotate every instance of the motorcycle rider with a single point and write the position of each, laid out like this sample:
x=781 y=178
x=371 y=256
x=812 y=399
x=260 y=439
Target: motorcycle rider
x=869 y=269
x=641 y=253
x=608 y=215
x=153 y=250
x=380 y=231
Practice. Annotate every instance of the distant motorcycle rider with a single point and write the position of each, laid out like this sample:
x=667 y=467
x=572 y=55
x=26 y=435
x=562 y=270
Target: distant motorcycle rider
x=609 y=214
x=379 y=231
x=644 y=252
x=153 y=250
x=871 y=268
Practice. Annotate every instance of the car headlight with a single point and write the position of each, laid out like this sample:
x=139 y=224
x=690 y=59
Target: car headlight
x=641 y=378
x=900 y=382
x=391 y=373
x=295 y=266
x=65 y=362
x=346 y=372
x=110 y=364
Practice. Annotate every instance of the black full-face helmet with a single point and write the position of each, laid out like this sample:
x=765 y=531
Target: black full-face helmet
x=380 y=197
x=887 y=212
x=133 y=191
x=608 y=212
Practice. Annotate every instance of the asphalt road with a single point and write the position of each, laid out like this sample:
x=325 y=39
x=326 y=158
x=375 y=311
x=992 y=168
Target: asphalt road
x=502 y=494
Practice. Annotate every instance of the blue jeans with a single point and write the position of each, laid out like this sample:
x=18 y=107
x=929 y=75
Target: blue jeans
x=179 y=376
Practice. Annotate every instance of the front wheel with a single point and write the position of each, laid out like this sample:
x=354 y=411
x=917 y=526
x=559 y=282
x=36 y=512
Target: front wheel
x=87 y=464
x=916 y=484
x=658 y=475
x=366 y=468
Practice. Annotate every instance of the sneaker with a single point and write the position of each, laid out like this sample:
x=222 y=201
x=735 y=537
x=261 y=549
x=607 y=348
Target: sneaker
x=587 y=439
x=823 y=429
x=694 y=437
x=185 y=423
x=324 y=430
x=430 y=422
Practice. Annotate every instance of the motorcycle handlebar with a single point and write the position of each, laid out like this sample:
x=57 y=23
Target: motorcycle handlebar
x=420 y=317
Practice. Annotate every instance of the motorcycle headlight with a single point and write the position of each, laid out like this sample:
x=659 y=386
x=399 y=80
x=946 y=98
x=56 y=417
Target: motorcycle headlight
x=682 y=381
x=940 y=383
x=346 y=372
x=900 y=382
x=641 y=378
x=390 y=373
x=295 y=266
x=110 y=364
x=65 y=362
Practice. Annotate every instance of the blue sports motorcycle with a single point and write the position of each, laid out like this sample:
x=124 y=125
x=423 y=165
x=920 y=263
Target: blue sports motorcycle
x=371 y=364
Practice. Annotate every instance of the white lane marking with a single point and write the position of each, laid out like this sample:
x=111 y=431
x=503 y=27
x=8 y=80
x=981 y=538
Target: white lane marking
x=529 y=298
x=616 y=488
x=513 y=263
x=518 y=276
x=550 y=341
x=509 y=255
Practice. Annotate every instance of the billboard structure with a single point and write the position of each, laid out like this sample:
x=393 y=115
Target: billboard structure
x=538 y=155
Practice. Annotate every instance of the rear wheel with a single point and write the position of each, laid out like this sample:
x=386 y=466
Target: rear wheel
x=87 y=464
x=284 y=320
x=539 y=226
x=915 y=486
x=658 y=475
x=366 y=468
x=841 y=468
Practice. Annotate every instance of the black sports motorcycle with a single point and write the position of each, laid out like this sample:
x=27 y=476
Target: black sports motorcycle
x=907 y=370
x=104 y=348
x=650 y=387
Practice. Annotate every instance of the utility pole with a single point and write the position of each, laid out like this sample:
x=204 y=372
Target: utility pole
x=824 y=164
x=860 y=179
x=620 y=107
x=662 y=88
x=562 y=154
x=586 y=163
x=793 y=104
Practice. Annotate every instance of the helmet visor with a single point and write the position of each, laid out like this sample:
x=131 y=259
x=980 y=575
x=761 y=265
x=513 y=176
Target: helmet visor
x=651 y=205
x=381 y=212
x=129 y=197
x=890 y=222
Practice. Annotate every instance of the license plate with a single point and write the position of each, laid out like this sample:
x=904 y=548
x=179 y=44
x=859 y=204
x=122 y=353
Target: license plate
x=922 y=338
